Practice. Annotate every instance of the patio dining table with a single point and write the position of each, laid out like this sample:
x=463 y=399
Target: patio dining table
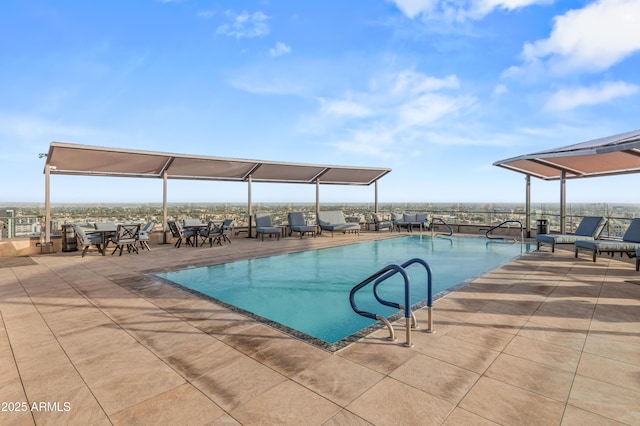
x=197 y=230
x=105 y=236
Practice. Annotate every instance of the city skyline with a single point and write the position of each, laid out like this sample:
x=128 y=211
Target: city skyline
x=435 y=90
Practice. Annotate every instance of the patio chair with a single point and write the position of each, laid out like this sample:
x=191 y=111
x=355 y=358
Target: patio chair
x=334 y=221
x=126 y=237
x=380 y=224
x=227 y=229
x=298 y=224
x=217 y=233
x=143 y=237
x=180 y=234
x=264 y=226
x=630 y=243
x=87 y=240
x=590 y=228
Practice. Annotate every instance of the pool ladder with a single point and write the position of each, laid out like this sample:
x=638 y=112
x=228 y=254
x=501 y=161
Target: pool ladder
x=381 y=276
x=442 y=221
x=488 y=231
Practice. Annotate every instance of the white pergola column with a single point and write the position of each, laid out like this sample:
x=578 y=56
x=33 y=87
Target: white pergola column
x=250 y=206
x=164 y=208
x=47 y=205
x=527 y=207
x=563 y=201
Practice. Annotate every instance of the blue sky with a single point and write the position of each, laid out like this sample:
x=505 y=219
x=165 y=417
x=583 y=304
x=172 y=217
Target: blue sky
x=437 y=90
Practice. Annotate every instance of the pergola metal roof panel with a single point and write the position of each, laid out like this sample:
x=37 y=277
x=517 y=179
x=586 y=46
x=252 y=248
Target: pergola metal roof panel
x=611 y=155
x=76 y=159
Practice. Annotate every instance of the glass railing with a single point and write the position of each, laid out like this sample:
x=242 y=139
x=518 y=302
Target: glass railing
x=33 y=225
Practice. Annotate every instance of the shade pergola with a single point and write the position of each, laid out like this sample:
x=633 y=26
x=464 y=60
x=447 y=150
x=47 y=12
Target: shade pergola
x=83 y=160
x=608 y=156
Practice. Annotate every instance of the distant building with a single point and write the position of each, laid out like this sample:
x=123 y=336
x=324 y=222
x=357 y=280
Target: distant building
x=8 y=217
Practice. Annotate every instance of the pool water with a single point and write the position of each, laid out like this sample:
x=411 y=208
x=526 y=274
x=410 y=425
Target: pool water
x=309 y=291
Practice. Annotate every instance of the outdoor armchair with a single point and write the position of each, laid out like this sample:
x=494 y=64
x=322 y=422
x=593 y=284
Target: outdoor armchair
x=143 y=237
x=297 y=223
x=87 y=240
x=180 y=234
x=380 y=223
x=126 y=237
x=264 y=226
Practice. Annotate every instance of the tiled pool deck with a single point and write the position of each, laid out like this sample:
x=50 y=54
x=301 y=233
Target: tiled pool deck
x=546 y=339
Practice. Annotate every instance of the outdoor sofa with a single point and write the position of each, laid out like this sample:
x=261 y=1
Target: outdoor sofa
x=590 y=228
x=630 y=243
x=409 y=221
x=333 y=221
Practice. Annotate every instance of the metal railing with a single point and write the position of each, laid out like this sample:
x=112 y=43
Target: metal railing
x=410 y=318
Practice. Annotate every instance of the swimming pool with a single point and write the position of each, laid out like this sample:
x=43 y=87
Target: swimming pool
x=307 y=293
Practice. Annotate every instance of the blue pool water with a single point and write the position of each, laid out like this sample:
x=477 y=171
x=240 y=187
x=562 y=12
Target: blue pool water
x=309 y=291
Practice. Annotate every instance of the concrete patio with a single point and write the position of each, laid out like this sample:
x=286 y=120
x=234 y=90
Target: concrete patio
x=546 y=339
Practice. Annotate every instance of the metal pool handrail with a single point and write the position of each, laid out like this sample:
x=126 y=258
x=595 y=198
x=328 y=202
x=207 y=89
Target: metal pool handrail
x=488 y=231
x=384 y=274
x=442 y=221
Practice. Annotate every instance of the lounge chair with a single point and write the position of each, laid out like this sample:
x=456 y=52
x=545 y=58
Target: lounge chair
x=264 y=226
x=87 y=240
x=298 y=224
x=589 y=229
x=126 y=237
x=180 y=234
x=334 y=221
x=630 y=243
x=380 y=224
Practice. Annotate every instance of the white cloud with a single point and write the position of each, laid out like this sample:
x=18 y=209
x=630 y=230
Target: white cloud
x=245 y=25
x=279 y=49
x=590 y=39
x=206 y=14
x=459 y=10
x=394 y=114
x=344 y=108
x=566 y=99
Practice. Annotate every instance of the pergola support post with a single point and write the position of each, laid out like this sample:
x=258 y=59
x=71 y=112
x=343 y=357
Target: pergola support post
x=563 y=201
x=527 y=207
x=164 y=208
x=47 y=205
x=249 y=207
x=375 y=207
